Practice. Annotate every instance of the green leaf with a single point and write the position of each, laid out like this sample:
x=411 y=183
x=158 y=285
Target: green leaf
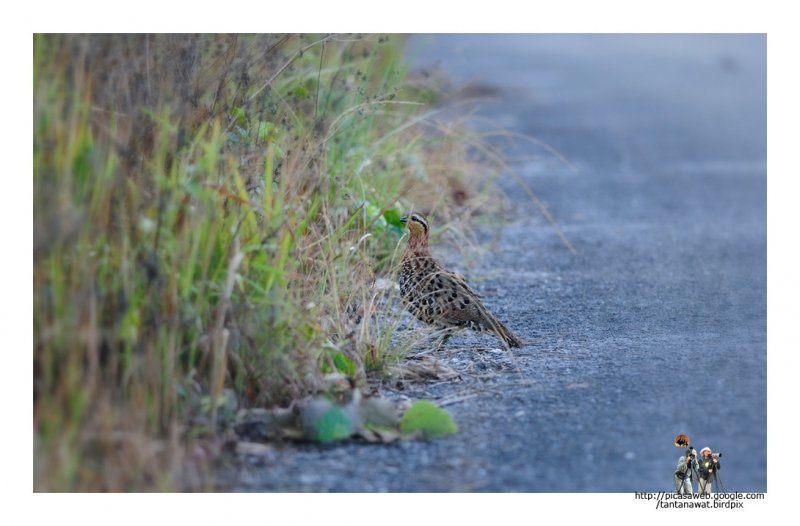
x=392 y=217
x=238 y=114
x=370 y=209
x=372 y=212
x=334 y=425
x=433 y=421
x=301 y=92
x=344 y=364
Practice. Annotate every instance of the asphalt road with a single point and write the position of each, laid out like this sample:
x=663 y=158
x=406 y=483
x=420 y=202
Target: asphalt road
x=657 y=327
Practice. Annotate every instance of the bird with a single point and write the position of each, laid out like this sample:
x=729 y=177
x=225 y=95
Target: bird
x=439 y=297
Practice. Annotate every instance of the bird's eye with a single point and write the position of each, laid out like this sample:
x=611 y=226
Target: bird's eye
x=419 y=220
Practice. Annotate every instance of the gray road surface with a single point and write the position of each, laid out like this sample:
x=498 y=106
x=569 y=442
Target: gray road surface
x=657 y=326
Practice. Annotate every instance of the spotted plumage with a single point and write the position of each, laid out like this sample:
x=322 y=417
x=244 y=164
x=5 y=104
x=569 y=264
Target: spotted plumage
x=438 y=297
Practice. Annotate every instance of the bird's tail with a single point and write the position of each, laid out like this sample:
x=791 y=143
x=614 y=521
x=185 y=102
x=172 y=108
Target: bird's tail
x=505 y=334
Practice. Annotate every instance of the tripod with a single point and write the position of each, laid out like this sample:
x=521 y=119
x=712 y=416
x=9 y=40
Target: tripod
x=718 y=483
x=695 y=475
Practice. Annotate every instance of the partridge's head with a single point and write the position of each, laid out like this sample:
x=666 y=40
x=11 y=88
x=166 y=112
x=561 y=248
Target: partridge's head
x=417 y=226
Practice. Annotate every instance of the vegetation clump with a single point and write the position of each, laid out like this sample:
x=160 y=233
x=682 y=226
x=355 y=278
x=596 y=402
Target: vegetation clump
x=210 y=217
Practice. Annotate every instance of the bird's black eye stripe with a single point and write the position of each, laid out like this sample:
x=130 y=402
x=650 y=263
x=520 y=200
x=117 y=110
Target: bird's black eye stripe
x=416 y=218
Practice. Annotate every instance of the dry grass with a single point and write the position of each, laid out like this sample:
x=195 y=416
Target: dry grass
x=210 y=216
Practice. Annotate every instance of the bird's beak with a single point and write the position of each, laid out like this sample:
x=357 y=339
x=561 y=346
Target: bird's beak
x=404 y=219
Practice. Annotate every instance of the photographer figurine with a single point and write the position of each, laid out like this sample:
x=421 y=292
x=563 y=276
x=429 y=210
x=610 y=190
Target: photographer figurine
x=708 y=467
x=683 y=473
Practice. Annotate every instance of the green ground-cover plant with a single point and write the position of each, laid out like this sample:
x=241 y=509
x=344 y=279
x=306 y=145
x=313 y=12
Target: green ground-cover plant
x=210 y=215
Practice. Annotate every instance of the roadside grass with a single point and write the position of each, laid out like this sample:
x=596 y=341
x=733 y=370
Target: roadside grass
x=211 y=214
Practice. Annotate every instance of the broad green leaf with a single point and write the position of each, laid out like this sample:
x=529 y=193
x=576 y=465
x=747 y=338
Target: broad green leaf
x=334 y=425
x=433 y=421
x=392 y=217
